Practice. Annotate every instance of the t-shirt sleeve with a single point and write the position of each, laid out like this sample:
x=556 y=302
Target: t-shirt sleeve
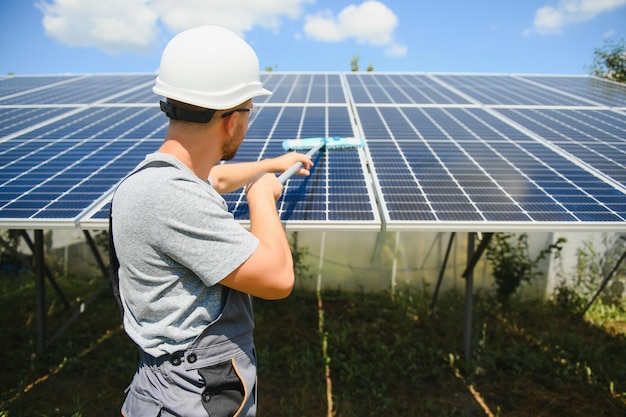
x=199 y=232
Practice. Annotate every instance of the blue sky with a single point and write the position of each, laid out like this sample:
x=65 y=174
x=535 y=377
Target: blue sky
x=493 y=36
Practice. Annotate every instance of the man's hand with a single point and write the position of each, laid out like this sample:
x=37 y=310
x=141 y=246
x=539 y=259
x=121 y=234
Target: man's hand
x=264 y=184
x=284 y=162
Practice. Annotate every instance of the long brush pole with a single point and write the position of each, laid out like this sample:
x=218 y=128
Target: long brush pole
x=295 y=167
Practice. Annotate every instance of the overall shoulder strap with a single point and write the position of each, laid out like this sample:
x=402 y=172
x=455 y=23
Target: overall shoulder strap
x=114 y=264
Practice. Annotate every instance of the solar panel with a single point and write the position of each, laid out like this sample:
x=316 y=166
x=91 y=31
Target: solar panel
x=337 y=193
x=479 y=152
x=59 y=169
x=458 y=167
x=494 y=90
x=22 y=85
x=14 y=119
x=400 y=89
x=77 y=90
x=488 y=162
x=598 y=91
x=319 y=88
x=595 y=137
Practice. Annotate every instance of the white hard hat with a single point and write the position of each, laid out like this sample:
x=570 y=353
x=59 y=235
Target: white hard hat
x=210 y=67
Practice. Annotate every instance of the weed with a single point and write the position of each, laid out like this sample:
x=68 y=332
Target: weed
x=386 y=356
x=592 y=268
x=512 y=263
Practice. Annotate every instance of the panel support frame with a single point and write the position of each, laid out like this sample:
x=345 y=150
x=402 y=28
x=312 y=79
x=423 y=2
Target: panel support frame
x=42 y=272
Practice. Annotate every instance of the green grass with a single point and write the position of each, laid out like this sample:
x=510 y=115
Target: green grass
x=386 y=358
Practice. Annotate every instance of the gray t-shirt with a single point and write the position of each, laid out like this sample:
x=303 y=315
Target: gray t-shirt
x=175 y=241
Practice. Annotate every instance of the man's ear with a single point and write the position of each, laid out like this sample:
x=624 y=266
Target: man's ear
x=230 y=124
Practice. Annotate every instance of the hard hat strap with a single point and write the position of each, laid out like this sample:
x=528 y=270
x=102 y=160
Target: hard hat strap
x=176 y=113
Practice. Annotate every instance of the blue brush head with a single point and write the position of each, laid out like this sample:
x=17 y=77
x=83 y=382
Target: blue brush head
x=331 y=142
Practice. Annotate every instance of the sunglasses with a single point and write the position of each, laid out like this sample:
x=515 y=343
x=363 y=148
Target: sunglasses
x=251 y=116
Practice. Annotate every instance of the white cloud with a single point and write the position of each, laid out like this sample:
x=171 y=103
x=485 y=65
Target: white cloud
x=371 y=22
x=396 y=50
x=237 y=15
x=111 y=25
x=119 y=25
x=551 y=20
x=137 y=25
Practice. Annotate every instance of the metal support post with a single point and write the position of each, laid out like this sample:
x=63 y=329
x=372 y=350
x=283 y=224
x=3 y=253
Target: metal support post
x=469 y=293
x=394 y=267
x=45 y=269
x=473 y=258
x=442 y=271
x=40 y=289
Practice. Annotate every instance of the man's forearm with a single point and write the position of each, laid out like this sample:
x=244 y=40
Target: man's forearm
x=230 y=177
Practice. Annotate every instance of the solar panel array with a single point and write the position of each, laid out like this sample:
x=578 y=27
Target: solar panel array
x=443 y=151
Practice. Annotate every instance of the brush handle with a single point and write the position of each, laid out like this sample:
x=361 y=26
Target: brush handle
x=295 y=167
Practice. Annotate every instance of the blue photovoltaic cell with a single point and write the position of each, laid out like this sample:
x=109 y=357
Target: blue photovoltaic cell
x=142 y=95
x=291 y=122
x=21 y=85
x=400 y=89
x=302 y=88
x=487 y=89
x=102 y=214
x=590 y=88
x=57 y=171
x=63 y=187
x=78 y=90
x=337 y=189
x=101 y=122
x=461 y=165
x=596 y=137
x=15 y=119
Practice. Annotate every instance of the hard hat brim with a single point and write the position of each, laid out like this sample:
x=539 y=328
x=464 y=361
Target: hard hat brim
x=222 y=101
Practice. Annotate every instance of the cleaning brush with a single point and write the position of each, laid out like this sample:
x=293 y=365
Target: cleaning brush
x=314 y=145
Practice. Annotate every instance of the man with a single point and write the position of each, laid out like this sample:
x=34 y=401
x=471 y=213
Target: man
x=187 y=268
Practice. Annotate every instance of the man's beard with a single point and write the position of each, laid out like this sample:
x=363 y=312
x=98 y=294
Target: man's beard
x=229 y=150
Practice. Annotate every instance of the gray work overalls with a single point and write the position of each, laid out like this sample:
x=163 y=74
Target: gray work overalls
x=214 y=376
